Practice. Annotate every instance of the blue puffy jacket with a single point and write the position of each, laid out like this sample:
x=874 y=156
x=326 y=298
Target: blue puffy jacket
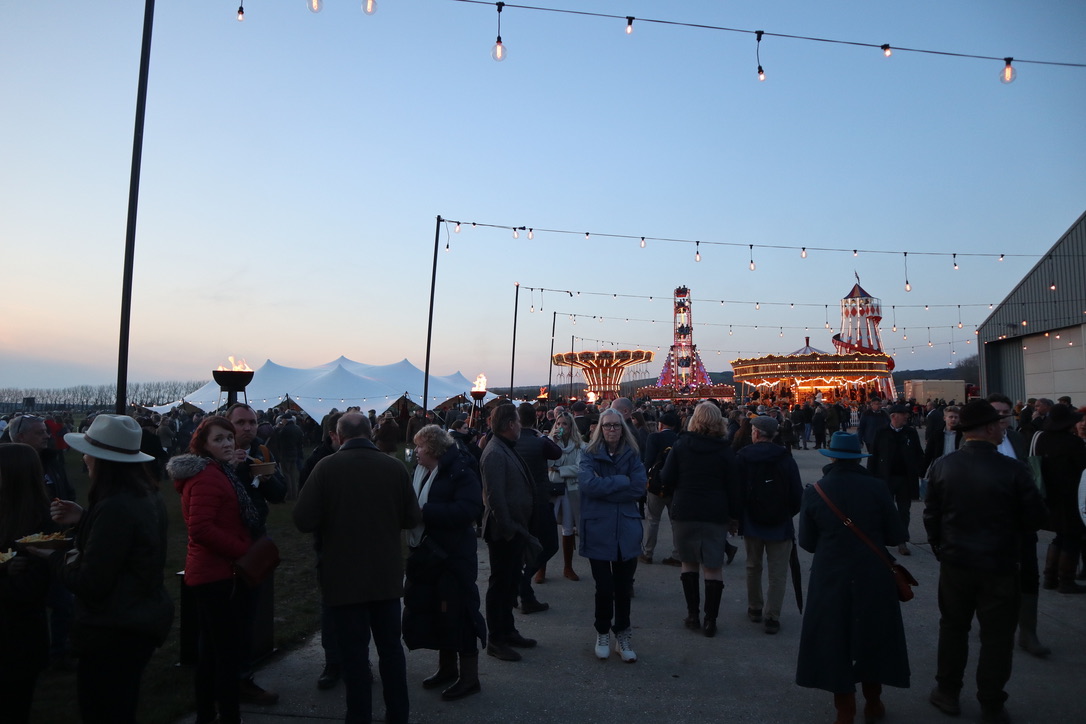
x=610 y=488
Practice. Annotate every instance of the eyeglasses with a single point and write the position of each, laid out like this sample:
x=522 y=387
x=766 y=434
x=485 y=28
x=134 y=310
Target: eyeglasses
x=612 y=426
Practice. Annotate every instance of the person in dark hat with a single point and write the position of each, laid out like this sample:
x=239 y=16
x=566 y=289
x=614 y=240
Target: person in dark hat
x=1063 y=457
x=897 y=458
x=657 y=446
x=980 y=505
x=852 y=629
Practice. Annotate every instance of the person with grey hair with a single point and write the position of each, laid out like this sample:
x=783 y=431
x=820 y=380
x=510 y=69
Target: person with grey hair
x=1041 y=408
x=625 y=407
x=612 y=479
x=361 y=572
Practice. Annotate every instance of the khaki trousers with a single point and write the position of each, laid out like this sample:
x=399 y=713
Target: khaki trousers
x=777 y=553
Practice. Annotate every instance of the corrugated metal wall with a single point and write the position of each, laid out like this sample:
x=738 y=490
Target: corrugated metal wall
x=1042 y=308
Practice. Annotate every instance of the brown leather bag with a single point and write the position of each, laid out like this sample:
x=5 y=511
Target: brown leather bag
x=257 y=564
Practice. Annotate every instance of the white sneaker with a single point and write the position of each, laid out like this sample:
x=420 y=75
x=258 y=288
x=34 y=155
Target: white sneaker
x=603 y=646
x=624 y=646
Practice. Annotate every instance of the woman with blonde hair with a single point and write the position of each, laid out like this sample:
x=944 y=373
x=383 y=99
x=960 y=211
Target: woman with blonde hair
x=705 y=505
x=611 y=480
x=563 y=472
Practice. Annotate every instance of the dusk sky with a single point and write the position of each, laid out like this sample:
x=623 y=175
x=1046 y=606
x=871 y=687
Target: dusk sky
x=294 y=165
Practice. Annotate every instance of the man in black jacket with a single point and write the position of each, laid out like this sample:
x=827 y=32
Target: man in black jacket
x=655 y=445
x=980 y=505
x=897 y=458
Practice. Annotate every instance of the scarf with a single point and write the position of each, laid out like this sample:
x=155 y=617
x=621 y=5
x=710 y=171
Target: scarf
x=249 y=515
x=421 y=483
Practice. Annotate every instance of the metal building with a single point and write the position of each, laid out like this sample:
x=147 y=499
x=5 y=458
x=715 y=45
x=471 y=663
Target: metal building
x=1032 y=344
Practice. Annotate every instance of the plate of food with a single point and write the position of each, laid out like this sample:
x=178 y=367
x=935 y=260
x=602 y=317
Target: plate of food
x=7 y=555
x=262 y=468
x=54 y=541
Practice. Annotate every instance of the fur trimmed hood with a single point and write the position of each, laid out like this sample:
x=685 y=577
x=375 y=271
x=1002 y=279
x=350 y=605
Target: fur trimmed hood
x=182 y=468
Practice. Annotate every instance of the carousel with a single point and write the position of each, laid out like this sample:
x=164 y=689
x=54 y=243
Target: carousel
x=603 y=370
x=856 y=371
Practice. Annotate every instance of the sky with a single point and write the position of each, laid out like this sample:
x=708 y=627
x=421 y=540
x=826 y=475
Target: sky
x=295 y=164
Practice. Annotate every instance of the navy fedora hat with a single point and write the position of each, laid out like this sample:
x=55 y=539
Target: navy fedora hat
x=844 y=446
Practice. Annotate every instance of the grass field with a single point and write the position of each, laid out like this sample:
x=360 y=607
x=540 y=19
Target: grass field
x=167 y=692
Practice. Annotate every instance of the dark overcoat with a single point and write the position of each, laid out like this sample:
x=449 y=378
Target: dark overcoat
x=441 y=598
x=852 y=630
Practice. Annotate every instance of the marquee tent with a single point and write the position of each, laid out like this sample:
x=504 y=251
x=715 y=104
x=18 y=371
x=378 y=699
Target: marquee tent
x=340 y=383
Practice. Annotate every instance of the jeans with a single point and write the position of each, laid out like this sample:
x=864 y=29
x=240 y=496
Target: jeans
x=777 y=553
x=108 y=679
x=545 y=529
x=221 y=615
x=354 y=623
x=654 y=512
x=994 y=599
x=506 y=566
x=614 y=584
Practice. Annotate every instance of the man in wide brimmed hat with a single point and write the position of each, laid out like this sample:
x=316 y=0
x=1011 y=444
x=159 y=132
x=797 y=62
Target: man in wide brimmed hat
x=980 y=504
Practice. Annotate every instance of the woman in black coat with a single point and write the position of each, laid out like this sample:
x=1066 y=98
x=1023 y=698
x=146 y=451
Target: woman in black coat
x=441 y=598
x=1063 y=457
x=852 y=630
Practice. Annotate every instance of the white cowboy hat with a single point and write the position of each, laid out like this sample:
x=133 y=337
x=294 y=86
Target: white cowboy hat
x=111 y=437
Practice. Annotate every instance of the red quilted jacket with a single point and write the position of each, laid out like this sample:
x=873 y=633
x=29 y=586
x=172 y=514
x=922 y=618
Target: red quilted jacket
x=217 y=536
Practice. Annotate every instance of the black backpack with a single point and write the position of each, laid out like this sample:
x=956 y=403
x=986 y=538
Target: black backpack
x=656 y=483
x=767 y=494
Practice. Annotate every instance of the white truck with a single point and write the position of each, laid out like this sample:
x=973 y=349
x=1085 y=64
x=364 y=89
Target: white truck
x=924 y=390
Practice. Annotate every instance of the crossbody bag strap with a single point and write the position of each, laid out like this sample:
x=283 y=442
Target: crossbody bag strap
x=852 y=526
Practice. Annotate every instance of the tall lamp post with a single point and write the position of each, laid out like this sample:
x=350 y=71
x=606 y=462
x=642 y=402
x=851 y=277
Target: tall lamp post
x=133 y=205
x=430 y=320
x=513 y=356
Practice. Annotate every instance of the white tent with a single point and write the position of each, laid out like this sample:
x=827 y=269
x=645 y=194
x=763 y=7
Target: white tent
x=340 y=383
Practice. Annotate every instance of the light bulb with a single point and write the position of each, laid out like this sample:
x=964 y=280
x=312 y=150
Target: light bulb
x=531 y=234
x=498 y=51
x=955 y=262
x=456 y=229
x=1008 y=74
x=531 y=310
x=241 y=13
x=959 y=325
x=697 y=251
x=516 y=234
x=761 y=73
x=803 y=254
x=315 y=6
x=1001 y=257
x=369 y=7
x=886 y=50
x=629 y=25
x=1052 y=286
x=908 y=287
x=855 y=253
x=757 y=306
x=697 y=256
x=752 y=267
x=642 y=242
x=894 y=328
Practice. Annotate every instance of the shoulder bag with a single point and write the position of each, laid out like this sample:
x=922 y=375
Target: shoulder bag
x=1035 y=467
x=902 y=577
x=257 y=564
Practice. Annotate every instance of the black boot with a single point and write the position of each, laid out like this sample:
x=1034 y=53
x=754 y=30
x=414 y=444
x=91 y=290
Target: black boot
x=1067 y=566
x=446 y=670
x=713 y=591
x=693 y=600
x=468 y=683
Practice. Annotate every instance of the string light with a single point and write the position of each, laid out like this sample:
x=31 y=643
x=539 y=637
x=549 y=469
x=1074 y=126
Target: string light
x=855 y=253
x=369 y=7
x=959 y=316
x=697 y=251
x=955 y=262
x=498 y=52
x=315 y=6
x=803 y=253
x=758 y=53
x=757 y=306
x=241 y=13
x=1001 y=257
x=886 y=50
x=629 y=25
x=893 y=310
x=456 y=229
x=1008 y=74
x=908 y=287
x=531 y=234
x=642 y=242
x=752 y=257
x=516 y=234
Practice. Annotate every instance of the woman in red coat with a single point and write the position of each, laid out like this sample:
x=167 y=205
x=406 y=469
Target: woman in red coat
x=220 y=518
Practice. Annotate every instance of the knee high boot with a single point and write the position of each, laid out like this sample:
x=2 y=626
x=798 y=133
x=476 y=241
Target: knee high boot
x=1027 y=627
x=1066 y=572
x=468 y=683
x=567 y=557
x=1050 y=579
x=846 y=708
x=713 y=591
x=874 y=710
x=446 y=670
x=693 y=600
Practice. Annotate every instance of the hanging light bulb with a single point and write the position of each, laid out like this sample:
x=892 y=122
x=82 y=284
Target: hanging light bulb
x=456 y=229
x=1052 y=286
x=531 y=234
x=447 y=249
x=241 y=13
x=855 y=253
x=369 y=7
x=758 y=53
x=757 y=306
x=697 y=251
x=908 y=287
x=955 y=262
x=803 y=254
x=516 y=234
x=886 y=50
x=315 y=6
x=498 y=51
x=752 y=257
x=629 y=25
x=761 y=73
x=1001 y=257
x=586 y=235
x=959 y=325
x=1008 y=74
x=642 y=242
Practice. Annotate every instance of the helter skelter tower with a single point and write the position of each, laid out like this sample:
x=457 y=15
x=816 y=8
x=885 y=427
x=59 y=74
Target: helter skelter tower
x=860 y=317
x=683 y=369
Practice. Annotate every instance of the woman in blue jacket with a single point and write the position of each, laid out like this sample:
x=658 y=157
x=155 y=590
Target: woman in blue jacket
x=612 y=478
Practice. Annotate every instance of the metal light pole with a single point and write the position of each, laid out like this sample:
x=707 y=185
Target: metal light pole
x=133 y=205
x=513 y=360
x=430 y=319
x=550 y=365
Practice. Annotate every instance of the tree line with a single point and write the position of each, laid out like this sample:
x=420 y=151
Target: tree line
x=146 y=394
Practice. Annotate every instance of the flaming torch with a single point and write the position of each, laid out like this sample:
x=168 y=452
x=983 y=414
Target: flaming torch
x=478 y=392
x=233 y=379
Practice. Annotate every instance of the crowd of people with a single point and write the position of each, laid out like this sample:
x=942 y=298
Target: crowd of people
x=397 y=559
